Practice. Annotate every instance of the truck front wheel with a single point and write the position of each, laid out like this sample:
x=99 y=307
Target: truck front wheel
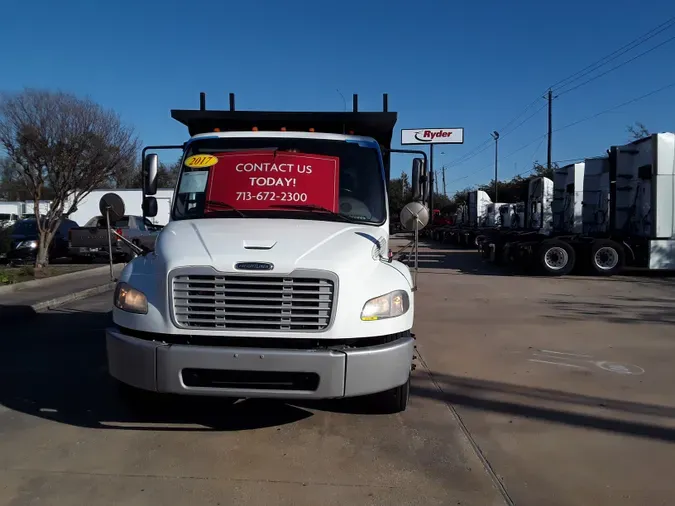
x=556 y=258
x=394 y=400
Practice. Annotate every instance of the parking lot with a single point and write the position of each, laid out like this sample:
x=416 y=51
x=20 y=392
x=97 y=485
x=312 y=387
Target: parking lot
x=528 y=390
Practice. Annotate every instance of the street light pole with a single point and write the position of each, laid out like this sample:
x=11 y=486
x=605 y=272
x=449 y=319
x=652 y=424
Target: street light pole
x=495 y=136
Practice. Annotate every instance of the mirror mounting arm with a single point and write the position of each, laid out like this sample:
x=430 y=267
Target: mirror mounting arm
x=409 y=151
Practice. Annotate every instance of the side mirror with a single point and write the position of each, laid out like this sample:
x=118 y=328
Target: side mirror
x=149 y=207
x=418 y=179
x=150 y=169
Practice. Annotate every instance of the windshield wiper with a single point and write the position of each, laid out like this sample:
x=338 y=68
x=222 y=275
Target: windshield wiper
x=218 y=203
x=312 y=207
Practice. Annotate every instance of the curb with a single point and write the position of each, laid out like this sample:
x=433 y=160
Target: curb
x=64 y=299
x=84 y=273
x=18 y=314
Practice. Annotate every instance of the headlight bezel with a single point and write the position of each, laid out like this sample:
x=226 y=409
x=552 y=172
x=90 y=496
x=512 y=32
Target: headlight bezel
x=124 y=291
x=388 y=308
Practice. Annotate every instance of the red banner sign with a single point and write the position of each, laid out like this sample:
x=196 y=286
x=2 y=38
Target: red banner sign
x=264 y=179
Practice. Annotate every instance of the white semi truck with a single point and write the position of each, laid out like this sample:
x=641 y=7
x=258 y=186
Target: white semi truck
x=608 y=214
x=273 y=277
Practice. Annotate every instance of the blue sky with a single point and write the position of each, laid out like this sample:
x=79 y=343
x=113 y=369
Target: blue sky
x=469 y=64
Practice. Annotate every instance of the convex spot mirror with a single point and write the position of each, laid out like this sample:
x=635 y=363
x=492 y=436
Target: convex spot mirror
x=112 y=205
x=414 y=214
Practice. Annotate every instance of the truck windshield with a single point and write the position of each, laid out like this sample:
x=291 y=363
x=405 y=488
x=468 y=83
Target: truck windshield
x=270 y=177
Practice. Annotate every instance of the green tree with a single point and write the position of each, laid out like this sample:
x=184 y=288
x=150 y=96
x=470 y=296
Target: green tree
x=541 y=170
x=441 y=201
x=400 y=193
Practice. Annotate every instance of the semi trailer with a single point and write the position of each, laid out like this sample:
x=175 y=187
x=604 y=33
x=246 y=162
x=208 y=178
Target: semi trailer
x=608 y=214
x=273 y=277
x=480 y=219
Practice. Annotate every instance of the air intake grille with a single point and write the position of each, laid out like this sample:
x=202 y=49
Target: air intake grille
x=252 y=302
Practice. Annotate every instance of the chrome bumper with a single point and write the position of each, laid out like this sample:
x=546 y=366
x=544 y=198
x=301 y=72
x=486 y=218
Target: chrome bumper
x=159 y=367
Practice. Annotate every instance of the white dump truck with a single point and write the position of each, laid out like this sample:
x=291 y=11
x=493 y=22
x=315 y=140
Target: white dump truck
x=273 y=277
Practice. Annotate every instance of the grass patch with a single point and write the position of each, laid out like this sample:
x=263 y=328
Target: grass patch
x=12 y=275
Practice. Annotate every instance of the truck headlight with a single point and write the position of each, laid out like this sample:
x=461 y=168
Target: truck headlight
x=129 y=299
x=390 y=305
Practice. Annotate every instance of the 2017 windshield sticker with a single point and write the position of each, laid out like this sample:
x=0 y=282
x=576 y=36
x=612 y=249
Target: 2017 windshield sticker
x=200 y=161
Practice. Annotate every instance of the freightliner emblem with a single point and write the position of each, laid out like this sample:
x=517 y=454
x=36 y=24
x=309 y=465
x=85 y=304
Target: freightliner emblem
x=254 y=266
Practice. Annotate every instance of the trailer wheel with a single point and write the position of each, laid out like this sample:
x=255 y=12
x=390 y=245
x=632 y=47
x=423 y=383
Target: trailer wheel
x=394 y=400
x=556 y=258
x=607 y=257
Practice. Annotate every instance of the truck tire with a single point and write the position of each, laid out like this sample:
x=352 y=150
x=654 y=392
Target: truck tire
x=394 y=400
x=607 y=257
x=499 y=253
x=555 y=257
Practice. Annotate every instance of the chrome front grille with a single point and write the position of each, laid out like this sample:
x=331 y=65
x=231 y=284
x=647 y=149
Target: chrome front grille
x=209 y=302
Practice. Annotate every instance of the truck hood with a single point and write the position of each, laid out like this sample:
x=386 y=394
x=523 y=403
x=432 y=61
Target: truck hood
x=287 y=244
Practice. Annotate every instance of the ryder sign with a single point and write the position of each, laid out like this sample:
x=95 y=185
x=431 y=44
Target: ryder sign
x=266 y=179
x=432 y=136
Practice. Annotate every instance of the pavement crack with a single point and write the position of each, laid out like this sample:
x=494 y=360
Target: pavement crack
x=197 y=478
x=467 y=433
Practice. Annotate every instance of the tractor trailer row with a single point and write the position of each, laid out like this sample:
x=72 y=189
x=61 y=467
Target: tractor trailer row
x=601 y=215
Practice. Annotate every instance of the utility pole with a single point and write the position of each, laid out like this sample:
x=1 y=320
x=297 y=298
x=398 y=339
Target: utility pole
x=436 y=181
x=550 y=128
x=430 y=179
x=445 y=190
x=495 y=136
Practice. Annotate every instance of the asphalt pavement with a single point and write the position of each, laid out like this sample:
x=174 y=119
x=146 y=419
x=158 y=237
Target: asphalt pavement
x=66 y=437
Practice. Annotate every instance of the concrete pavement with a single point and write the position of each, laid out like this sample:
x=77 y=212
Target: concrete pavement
x=565 y=384
x=559 y=391
x=66 y=438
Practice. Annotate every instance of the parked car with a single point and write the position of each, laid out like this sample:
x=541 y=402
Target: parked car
x=24 y=241
x=7 y=220
x=91 y=240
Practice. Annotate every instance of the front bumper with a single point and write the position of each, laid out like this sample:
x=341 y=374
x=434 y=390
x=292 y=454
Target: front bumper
x=258 y=372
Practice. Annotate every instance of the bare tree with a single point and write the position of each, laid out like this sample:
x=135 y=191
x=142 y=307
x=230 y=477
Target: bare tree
x=638 y=131
x=167 y=176
x=63 y=144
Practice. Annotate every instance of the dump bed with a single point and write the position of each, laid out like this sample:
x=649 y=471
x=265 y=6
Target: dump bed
x=378 y=125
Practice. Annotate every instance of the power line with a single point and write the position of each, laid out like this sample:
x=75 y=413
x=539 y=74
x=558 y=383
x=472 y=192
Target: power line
x=569 y=125
x=653 y=92
x=583 y=83
x=505 y=127
x=650 y=34
x=488 y=143
x=525 y=120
